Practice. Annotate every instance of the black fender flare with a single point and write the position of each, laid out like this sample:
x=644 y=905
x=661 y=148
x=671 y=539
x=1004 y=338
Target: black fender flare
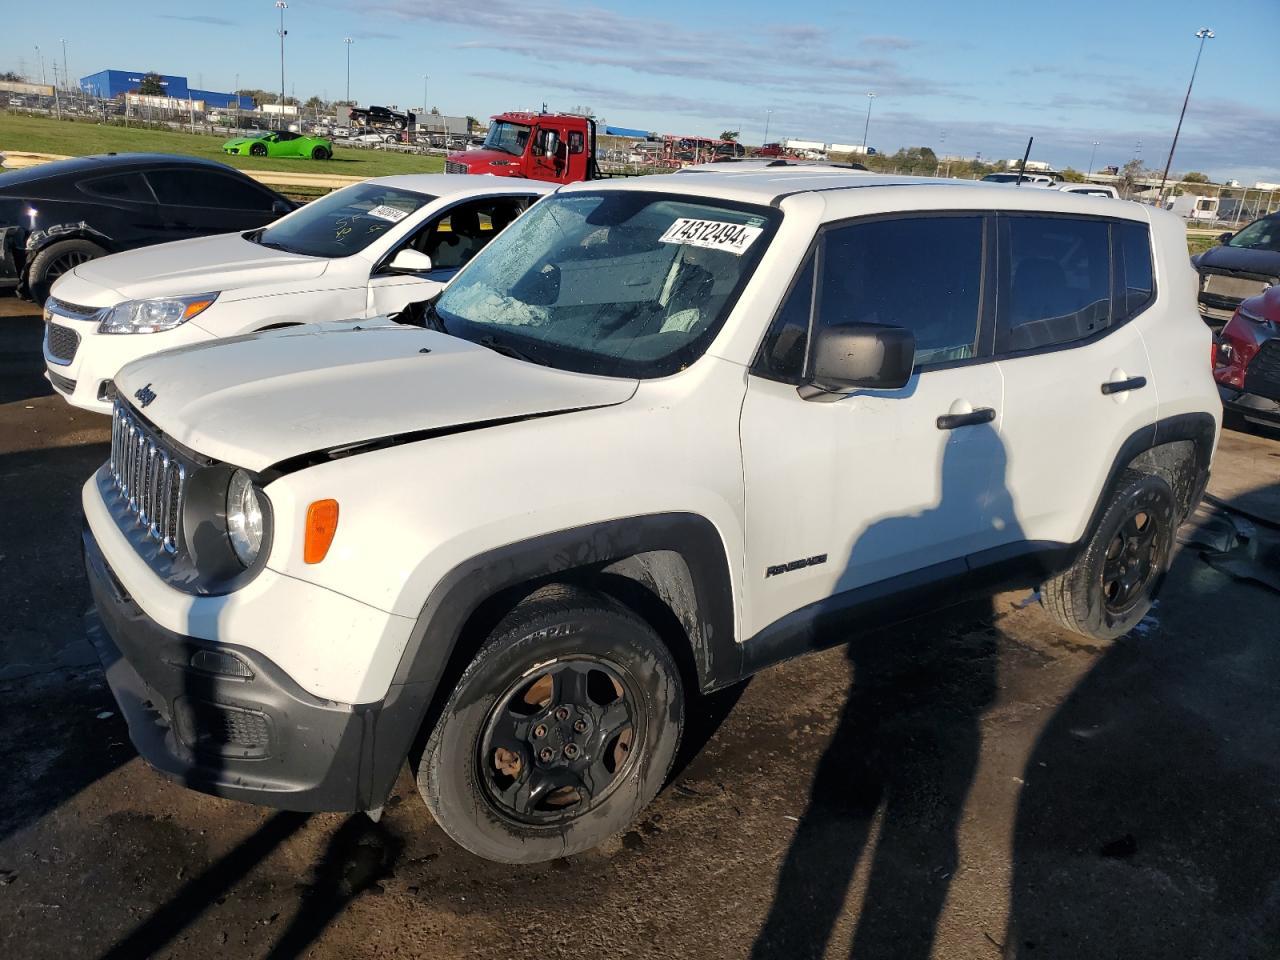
x=429 y=654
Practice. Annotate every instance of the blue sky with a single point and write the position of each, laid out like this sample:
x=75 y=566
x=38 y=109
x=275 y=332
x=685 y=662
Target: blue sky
x=962 y=78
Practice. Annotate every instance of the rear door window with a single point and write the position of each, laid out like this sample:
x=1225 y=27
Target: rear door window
x=1059 y=282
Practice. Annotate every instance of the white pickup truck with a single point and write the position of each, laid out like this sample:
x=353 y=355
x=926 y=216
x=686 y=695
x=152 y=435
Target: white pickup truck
x=365 y=250
x=655 y=437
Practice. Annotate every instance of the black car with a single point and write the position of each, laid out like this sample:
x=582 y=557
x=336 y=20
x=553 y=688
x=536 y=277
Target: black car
x=1242 y=266
x=57 y=215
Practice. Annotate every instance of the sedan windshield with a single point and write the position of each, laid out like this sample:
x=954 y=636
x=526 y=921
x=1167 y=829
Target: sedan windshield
x=507 y=137
x=342 y=223
x=1260 y=235
x=618 y=283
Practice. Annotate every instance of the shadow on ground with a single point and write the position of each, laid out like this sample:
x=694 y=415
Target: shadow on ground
x=1150 y=819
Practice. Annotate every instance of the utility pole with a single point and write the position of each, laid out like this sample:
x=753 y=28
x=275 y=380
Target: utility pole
x=768 y=115
x=1092 y=154
x=424 y=93
x=870 y=100
x=1204 y=33
x=347 y=41
x=66 y=74
x=40 y=57
x=282 y=7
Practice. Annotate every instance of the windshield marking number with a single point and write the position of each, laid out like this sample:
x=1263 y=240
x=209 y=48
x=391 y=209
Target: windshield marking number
x=384 y=212
x=734 y=238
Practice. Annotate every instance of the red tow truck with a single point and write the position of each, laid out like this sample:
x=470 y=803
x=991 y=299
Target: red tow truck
x=555 y=147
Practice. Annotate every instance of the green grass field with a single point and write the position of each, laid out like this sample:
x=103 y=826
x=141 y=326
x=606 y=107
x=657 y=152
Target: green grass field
x=81 y=137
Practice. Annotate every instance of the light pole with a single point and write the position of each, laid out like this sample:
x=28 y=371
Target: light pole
x=347 y=41
x=282 y=7
x=768 y=115
x=66 y=74
x=1092 y=154
x=424 y=92
x=40 y=57
x=870 y=100
x=1204 y=33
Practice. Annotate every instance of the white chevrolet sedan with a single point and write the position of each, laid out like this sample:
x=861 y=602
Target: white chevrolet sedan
x=363 y=251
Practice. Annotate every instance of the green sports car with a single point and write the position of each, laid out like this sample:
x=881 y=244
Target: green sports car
x=280 y=144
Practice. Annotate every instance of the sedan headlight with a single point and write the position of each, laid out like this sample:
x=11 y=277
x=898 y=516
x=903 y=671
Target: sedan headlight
x=244 y=518
x=152 y=316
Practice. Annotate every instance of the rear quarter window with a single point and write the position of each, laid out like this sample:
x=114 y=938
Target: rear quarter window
x=122 y=187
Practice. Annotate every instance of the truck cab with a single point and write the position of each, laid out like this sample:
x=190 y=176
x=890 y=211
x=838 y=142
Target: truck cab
x=552 y=147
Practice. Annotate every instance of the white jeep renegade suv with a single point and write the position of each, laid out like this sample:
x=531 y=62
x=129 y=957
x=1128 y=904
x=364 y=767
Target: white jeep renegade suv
x=655 y=437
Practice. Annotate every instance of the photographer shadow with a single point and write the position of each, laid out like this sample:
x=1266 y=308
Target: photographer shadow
x=890 y=788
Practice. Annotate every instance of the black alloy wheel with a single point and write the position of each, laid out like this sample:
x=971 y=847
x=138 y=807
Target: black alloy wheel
x=64 y=263
x=1132 y=560
x=560 y=728
x=556 y=743
x=1114 y=580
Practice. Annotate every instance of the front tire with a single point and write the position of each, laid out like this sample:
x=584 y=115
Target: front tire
x=559 y=732
x=1112 y=584
x=55 y=260
x=258 y=150
x=319 y=153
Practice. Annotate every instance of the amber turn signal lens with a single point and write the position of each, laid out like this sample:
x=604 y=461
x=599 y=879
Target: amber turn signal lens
x=195 y=308
x=322 y=524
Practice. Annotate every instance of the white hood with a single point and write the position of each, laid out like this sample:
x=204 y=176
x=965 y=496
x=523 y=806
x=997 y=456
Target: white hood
x=258 y=400
x=223 y=264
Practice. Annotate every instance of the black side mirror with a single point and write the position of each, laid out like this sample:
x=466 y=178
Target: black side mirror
x=281 y=207
x=861 y=356
x=1225 y=237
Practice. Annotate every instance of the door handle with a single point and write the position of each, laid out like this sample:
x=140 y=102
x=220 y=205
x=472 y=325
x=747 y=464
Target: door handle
x=949 y=421
x=1120 y=386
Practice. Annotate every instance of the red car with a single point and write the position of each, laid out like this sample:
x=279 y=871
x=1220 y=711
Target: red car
x=1246 y=360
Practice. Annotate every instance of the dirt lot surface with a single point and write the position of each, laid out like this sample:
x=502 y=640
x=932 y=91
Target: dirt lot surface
x=980 y=784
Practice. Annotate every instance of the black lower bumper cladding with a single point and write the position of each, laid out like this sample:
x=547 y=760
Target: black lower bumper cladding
x=226 y=720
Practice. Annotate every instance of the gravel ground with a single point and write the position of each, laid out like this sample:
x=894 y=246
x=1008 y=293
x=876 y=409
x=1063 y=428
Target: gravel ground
x=978 y=784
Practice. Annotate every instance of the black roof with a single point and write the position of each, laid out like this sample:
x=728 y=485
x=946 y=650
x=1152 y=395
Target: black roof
x=103 y=162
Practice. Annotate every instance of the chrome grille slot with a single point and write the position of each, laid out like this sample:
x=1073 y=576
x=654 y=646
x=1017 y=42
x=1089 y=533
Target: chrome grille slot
x=149 y=477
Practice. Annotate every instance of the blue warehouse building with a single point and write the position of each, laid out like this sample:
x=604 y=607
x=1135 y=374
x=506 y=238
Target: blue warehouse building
x=116 y=83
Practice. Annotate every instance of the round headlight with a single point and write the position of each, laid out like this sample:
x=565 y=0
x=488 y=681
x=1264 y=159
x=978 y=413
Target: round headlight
x=244 y=518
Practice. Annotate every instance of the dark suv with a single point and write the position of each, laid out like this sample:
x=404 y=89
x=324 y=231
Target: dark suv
x=56 y=216
x=1244 y=265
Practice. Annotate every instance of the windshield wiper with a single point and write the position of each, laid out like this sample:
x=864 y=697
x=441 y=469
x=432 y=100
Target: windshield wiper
x=497 y=346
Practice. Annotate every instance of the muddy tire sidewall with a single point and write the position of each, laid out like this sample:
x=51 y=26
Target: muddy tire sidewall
x=448 y=774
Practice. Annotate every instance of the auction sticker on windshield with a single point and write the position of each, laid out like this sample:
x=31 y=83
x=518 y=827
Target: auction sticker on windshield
x=384 y=212
x=734 y=238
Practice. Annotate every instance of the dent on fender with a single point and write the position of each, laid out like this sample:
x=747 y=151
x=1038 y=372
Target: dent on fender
x=38 y=238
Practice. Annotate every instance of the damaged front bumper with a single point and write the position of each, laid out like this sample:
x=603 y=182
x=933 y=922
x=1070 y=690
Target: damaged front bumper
x=12 y=240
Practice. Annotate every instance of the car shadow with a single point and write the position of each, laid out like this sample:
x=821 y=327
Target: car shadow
x=889 y=790
x=22 y=358
x=59 y=726
x=1148 y=822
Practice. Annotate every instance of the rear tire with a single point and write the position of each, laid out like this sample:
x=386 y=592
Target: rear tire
x=1112 y=584
x=559 y=732
x=55 y=260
